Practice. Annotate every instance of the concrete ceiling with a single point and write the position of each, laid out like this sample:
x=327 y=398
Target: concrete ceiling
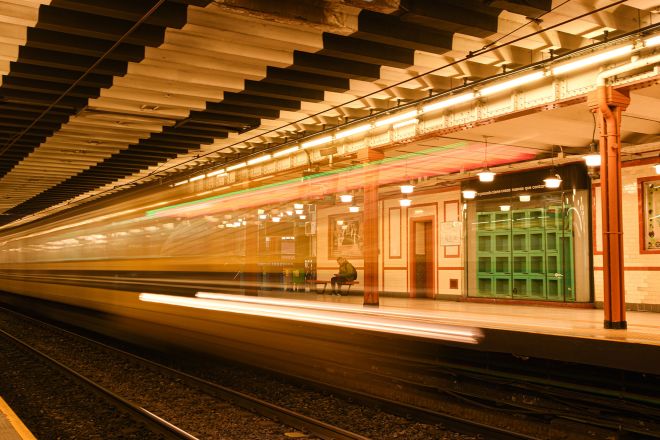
x=96 y=95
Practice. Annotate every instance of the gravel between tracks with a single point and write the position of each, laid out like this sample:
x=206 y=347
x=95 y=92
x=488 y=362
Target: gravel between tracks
x=192 y=411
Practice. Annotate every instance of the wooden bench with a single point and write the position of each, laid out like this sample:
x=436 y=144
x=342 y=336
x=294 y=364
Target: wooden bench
x=317 y=282
x=325 y=284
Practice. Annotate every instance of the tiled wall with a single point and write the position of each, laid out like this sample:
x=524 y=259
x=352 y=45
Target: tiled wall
x=642 y=274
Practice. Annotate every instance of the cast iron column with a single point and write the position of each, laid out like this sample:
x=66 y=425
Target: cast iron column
x=370 y=226
x=608 y=104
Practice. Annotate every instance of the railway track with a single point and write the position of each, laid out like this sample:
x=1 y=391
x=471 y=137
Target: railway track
x=309 y=425
x=159 y=425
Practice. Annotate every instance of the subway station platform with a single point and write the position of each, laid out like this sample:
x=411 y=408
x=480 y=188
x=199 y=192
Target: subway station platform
x=557 y=333
x=11 y=427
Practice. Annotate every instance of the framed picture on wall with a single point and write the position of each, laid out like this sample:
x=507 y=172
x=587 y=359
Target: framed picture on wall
x=345 y=236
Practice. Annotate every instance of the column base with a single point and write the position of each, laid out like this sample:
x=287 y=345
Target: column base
x=618 y=325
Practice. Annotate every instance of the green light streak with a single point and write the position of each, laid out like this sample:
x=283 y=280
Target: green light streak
x=311 y=177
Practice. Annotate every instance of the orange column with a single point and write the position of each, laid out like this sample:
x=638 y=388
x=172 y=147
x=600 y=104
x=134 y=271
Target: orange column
x=370 y=227
x=608 y=104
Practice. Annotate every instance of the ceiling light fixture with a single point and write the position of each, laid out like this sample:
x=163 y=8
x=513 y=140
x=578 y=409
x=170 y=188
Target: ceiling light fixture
x=286 y=151
x=553 y=181
x=260 y=159
x=405 y=202
x=469 y=194
x=181 y=183
x=396 y=118
x=486 y=175
x=594 y=59
x=505 y=208
x=303 y=217
x=315 y=142
x=525 y=197
x=653 y=41
x=346 y=198
x=276 y=219
x=196 y=178
x=298 y=206
x=506 y=85
x=216 y=173
x=405 y=123
x=407 y=189
x=237 y=166
x=459 y=99
x=353 y=208
x=352 y=131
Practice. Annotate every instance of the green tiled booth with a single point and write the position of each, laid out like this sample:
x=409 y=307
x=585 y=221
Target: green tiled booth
x=525 y=254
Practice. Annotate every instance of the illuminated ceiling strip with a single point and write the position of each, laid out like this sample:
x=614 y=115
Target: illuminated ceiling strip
x=237 y=166
x=286 y=151
x=196 y=178
x=183 y=182
x=653 y=41
x=315 y=142
x=459 y=99
x=396 y=118
x=351 y=131
x=216 y=172
x=506 y=85
x=594 y=59
x=257 y=160
x=405 y=123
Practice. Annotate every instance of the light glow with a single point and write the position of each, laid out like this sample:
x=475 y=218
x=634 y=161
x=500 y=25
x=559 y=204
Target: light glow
x=505 y=208
x=263 y=216
x=183 y=182
x=237 y=166
x=552 y=182
x=407 y=189
x=344 y=315
x=298 y=206
x=406 y=123
x=318 y=141
x=276 y=219
x=354 y=208
x=405 y=202
x=303 y=217
x=216 y=172
x=486 y=176
x=525 y=197
x=459 y=99
x=506 y=85
x=286 y=151
x=299 y=211
x=592 y=160
x=346 y=198
x=260 y=159
x=396 y=118
x=594 y=59
x=352 y=131
x=657 y=168
x=196 y=178
x=653 y=41
x=469 y=194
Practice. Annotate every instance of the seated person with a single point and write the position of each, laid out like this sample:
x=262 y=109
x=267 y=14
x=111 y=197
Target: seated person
x=346 y=273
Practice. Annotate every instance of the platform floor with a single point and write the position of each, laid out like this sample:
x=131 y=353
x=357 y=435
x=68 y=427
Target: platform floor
x=540 y=331
x=11 y=427
x=643 y=327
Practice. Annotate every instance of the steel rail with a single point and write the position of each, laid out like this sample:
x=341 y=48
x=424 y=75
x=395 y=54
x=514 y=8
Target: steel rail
x=245 y=401
x=137 y=413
